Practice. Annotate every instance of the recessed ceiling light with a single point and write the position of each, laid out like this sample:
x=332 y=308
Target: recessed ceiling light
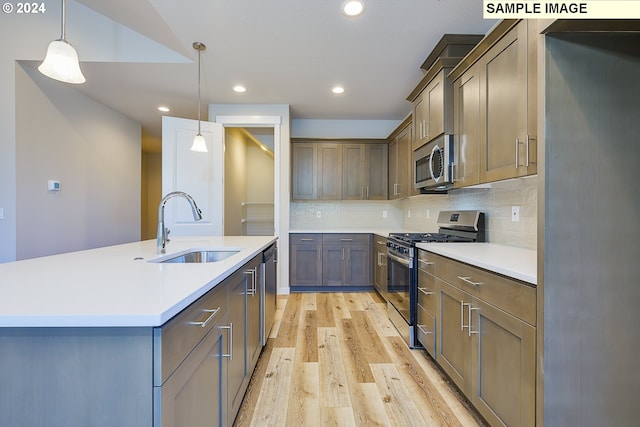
x=338 y=90
x=164 y=109
x=353 y=7
x=239 y=89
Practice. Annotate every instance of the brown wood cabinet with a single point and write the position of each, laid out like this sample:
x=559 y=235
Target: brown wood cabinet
x=486 y=338
x=400 y=169
x=364 y=171
x=499 y=136
x=346 y=260
x=304 y=171
x=339 y=170
x=466 y=106
x=380 y=267
x=431 y=108
x=330 y=259
x=305 y=260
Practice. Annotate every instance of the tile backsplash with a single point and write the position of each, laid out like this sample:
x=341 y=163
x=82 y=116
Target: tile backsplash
x=420 y=213
x=355 y=215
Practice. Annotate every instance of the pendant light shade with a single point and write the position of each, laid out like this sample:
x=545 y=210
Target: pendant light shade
x=199 y=143
x=61 y=62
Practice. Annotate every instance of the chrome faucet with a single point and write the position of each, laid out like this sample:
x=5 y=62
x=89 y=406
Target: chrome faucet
x=163 y=232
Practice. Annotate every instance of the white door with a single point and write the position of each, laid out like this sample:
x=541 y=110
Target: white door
x=197 y=174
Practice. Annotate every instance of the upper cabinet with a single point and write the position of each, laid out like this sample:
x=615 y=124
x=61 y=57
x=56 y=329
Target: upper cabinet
x=502 y=69
x=433 y=109
x=432 y=99
x=400 y=170
x=340 y=170
x=466 y=106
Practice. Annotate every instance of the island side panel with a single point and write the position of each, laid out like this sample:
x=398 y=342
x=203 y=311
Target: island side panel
x=76 y=377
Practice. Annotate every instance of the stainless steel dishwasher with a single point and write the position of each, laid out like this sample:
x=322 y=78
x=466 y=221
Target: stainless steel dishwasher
x=269 y=290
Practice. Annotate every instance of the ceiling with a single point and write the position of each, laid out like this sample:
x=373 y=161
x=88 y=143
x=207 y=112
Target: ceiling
x=284 y=51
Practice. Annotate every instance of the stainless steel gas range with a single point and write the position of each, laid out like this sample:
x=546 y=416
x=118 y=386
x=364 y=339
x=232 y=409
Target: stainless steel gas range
x=402 y=305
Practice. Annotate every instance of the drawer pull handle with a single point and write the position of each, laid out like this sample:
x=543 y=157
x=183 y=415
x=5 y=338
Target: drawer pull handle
x=424 y=291
x=346 y=240
x=252 y=272
x=230 y=328
x=306 y=240
x=208 y=319
x=468 y=280
x=426 y=262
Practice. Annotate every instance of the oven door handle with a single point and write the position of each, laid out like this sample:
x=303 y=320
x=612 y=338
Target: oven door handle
x=399 y=260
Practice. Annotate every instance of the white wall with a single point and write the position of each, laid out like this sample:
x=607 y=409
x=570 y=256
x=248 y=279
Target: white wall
x=92 y=150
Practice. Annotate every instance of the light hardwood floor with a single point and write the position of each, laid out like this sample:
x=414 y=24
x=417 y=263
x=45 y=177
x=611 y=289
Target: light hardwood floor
x=335 y=359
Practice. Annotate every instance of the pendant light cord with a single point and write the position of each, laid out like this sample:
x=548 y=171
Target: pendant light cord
x=199 y=54
x=63 y=30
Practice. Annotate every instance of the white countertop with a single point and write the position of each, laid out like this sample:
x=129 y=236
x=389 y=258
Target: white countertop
x=519 y=263
x=107 y=287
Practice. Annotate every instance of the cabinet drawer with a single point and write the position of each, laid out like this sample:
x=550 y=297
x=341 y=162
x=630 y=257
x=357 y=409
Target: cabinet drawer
x=305 y=239
x=427 y=291
x=512 y=296
x=426 y=331
x=346 y=239
x=175 y=339
x=427 y=261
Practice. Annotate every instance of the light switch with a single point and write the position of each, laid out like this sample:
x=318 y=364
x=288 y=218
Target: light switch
x=1 y=213
x=515 y=213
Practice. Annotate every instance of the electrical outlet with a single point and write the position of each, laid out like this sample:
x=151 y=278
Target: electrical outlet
x=515 y=213
x=318 y=214
x=1 y=213
x=408 y=213
x=384 y=214
x=428 y=214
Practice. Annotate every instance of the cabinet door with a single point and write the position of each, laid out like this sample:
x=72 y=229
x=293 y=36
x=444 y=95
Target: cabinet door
x=503 y=71
x=453 y=346
x=357 y=265
x=304 y=172
x=435 y=109
x=333 y=260
x=254 y=325
x=306 y=265
x=329 y=171
x=466 y=93
x=194 y=395
x=393 y=169
x=420 y=118
x=380 y=266
x=404 y=168
x=237 y=365
x=353 y=171
x=376 y=173
x=503 y=366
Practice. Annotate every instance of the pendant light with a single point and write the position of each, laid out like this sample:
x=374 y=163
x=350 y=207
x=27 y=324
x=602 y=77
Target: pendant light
x=61 y=62
x=199 y=143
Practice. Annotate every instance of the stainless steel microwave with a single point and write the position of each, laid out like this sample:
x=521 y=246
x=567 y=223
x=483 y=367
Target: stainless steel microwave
x=432 y=165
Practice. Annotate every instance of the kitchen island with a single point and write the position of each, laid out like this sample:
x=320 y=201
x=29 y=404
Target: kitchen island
x=83 y=335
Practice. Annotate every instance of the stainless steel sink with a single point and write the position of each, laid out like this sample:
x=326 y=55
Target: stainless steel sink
x=199 y=256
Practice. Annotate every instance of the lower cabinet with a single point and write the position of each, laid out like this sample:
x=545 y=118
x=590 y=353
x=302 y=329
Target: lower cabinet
x=330 y=260
x=306 y=260
x=346 y=259
x=237 y=363
x=195 y=395
x=484 y=336
x=205 y=384
x=380 y=269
